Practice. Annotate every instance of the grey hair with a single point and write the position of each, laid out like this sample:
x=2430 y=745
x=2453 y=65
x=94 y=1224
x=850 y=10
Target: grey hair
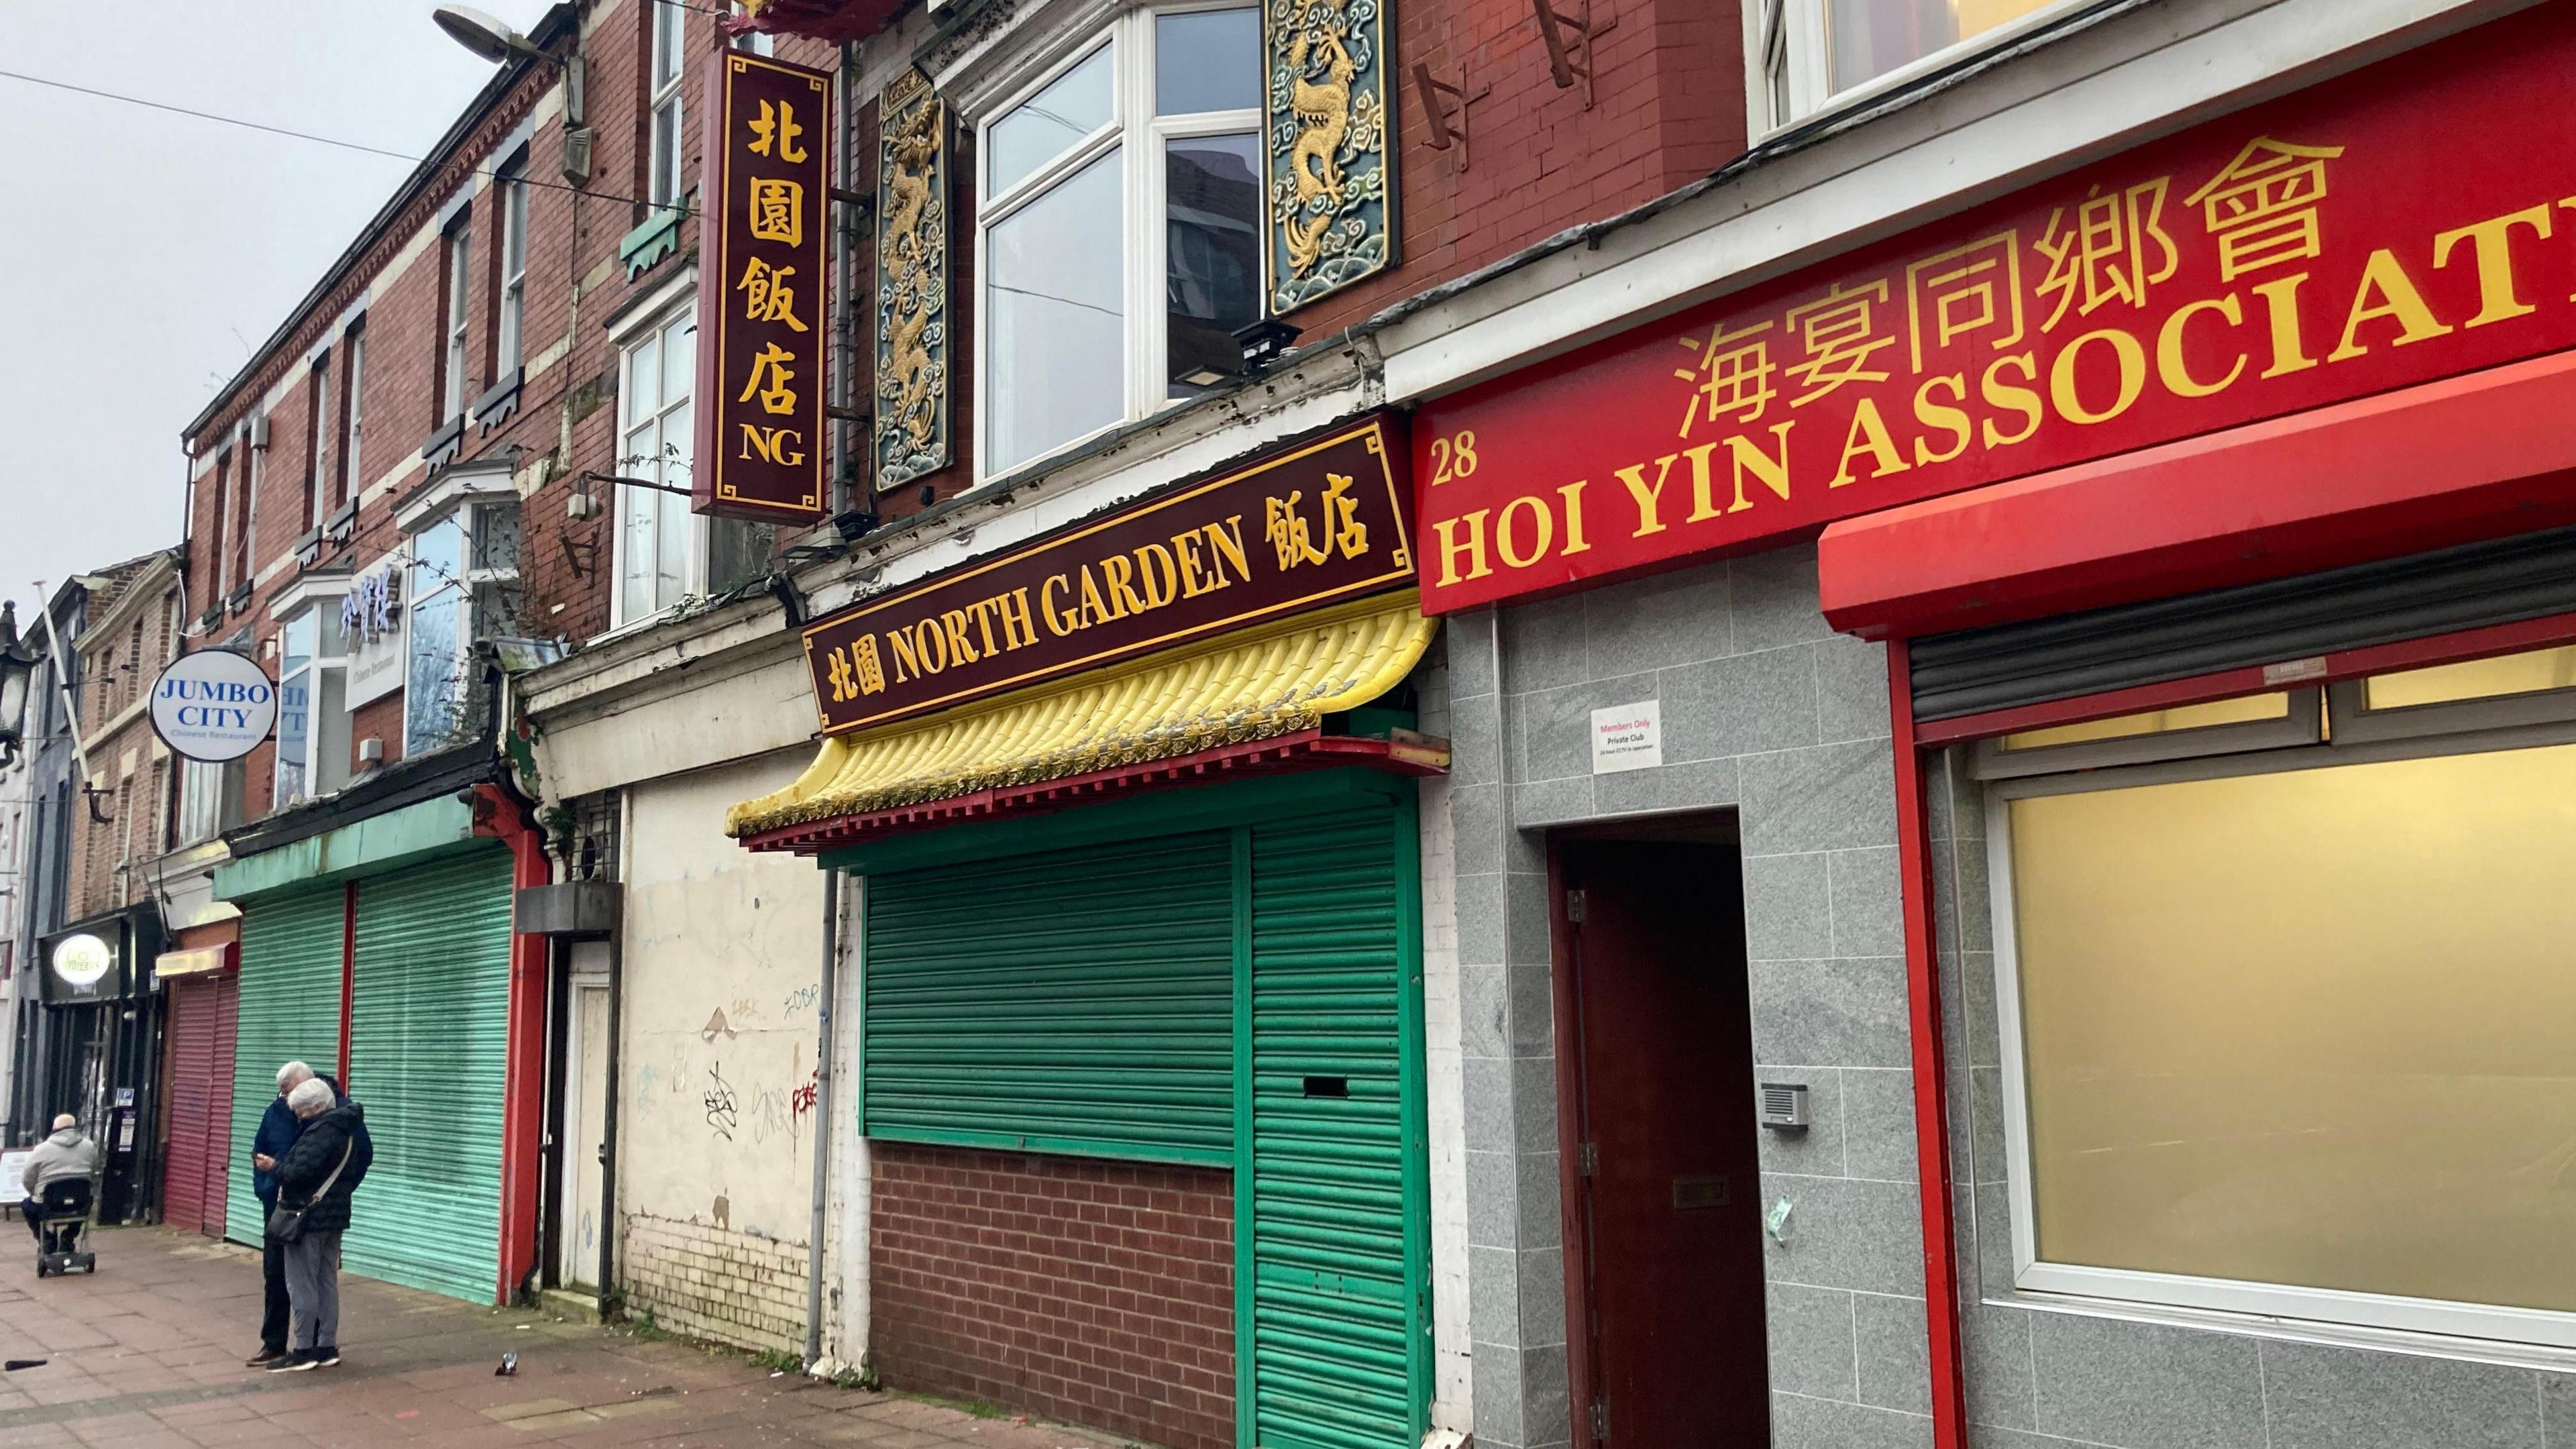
x=288 y=1075
x=65 y=1120
x=311 y=1096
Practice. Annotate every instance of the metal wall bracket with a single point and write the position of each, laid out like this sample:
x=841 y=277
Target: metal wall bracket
x=1571 y=43
x=1439 y=117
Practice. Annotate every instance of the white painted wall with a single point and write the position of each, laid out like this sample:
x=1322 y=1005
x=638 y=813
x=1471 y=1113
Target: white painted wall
x=723 y=955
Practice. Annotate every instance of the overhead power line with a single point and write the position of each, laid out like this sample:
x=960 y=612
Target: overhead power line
x=37 y=80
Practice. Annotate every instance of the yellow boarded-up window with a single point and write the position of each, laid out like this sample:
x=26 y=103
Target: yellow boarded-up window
x=2315 y=1027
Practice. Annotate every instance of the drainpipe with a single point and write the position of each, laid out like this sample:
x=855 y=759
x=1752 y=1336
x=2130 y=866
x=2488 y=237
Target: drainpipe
x=1931 y=1092
x=523 y=1090
x=822 y=1119
x=608 y=1118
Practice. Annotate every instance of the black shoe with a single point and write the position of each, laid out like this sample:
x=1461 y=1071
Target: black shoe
x=326 y=1357
x=265 y=1357
x=293 y=1363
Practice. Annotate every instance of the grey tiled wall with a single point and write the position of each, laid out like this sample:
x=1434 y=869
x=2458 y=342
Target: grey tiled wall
x=2050 y=1379
x=1768 y=712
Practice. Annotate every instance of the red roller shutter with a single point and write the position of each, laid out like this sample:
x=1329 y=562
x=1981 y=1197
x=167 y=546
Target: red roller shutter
x=202 y=1024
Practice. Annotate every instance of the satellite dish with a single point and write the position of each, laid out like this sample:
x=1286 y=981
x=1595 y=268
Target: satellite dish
x=481 y=33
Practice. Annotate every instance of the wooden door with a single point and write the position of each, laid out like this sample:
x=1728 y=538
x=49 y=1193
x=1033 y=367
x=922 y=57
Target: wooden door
x=1665 y=1212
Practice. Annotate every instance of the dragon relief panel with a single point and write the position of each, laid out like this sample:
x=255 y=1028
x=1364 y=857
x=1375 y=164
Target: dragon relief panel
x=912 y=281
x=1330 y=170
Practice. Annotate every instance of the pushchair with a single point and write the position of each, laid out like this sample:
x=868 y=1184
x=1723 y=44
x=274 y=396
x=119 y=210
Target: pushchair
x=63 y=1237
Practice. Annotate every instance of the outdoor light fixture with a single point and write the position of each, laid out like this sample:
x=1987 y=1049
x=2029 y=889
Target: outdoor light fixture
x=17 y=669
x=1264 y=341
x=483 y=34
x=498 y=43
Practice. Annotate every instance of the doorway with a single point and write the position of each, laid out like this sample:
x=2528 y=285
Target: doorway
x=585 y=1118
x=1661 y=1163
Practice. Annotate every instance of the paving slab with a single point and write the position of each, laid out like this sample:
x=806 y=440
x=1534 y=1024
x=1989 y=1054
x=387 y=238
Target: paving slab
x=147 y=1354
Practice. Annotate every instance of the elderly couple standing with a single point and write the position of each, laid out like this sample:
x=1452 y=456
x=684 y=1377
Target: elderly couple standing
x=309 y=1155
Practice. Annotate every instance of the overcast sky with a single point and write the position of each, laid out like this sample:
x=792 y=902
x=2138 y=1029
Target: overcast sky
x=144 y=254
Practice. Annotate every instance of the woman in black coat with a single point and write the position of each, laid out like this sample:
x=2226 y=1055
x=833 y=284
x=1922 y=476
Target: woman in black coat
x=317 y=1175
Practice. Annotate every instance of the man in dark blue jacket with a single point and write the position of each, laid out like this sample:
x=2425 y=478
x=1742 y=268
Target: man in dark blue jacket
x=278 y=1129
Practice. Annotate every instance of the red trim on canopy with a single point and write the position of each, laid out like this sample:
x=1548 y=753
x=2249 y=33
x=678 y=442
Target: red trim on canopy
x=1304 y=750
x=2449 y=462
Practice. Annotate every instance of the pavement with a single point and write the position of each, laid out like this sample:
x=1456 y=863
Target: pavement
x=148 y=1353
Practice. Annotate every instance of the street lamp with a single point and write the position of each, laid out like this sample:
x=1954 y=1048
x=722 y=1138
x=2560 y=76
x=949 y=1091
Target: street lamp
x=17 y=669
x=482 y=34
x=496 y=42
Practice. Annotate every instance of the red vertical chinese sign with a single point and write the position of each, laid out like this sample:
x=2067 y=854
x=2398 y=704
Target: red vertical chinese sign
x=761 y=325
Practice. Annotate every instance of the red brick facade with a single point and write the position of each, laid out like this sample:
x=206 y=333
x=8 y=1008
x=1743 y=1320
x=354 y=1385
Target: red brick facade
x=1100 y=1293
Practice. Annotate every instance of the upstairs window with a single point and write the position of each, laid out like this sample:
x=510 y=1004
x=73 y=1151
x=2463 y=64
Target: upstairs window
x=1813 y=52
x=666 y=553
x=464 y=587
x=514 y=271
x=317 y=440
x=662 y=152
x=1138 y=158
x=312 y=706
x=460 y=252
x=352 y=382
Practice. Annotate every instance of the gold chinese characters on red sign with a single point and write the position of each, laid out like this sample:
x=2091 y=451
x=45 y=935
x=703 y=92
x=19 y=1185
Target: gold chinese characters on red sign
x=759 y=438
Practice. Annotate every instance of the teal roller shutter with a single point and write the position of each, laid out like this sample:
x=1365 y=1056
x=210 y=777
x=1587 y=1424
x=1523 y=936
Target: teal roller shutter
x=429 y=1025
x=1338 y=1318
x=290 y=1011
x=1072 y=1001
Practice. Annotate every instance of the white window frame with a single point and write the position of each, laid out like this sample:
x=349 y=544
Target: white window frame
x=353 y=380
x=465 y=498
x=507 y=342
x=2465 y=727
x=318 y=467
x=1802 y=32
x=1139 y=135
x=653 y=321
x=322 y=607
x=666 y=45
x=459 y=246
x=757 y=42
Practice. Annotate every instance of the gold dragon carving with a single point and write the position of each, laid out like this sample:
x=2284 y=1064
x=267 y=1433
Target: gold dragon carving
x=912 y=283
x=1328 y=145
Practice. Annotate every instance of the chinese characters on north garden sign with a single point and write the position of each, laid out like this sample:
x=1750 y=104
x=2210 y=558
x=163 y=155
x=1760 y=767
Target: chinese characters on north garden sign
x=1312 y=524
x=2322 y=247
x=761 y=323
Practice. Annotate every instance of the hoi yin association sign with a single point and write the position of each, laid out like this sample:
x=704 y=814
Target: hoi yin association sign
x=761 y=325
x=213 y=705
x=1311 y=524
x=2335 y=243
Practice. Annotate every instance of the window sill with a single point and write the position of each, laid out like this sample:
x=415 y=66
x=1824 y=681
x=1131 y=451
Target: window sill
x=308 y=549
x=2414 y=1342
x=653 y=243
x=445 y=443
x=498 y=402
x=237 y=603
x=342 y=523
x=1976 y=53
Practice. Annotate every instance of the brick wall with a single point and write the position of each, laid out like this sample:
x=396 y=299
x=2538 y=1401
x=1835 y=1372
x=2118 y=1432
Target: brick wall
x=1099 y=1293
x=710 y=1281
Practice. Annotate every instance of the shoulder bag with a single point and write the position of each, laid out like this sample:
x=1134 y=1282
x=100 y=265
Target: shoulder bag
x=286 y=1224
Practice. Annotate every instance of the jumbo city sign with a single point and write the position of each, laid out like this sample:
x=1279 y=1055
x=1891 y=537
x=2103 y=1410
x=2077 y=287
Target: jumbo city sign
x=213 y=705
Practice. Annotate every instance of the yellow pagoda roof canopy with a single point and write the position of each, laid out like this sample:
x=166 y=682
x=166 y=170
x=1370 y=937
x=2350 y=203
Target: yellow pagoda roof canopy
x=1264 y=683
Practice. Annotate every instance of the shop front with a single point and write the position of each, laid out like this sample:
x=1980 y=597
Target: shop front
x=1129 y=818
x=99 y=1044
x=2053 y=731
x=381 y=951
x=201 y=981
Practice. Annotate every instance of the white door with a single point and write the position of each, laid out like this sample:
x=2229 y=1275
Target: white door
x=585 y=1117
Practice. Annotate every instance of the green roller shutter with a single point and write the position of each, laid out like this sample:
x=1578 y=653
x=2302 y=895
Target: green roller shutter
x=428 y=1045
x=1334 y=1224
x=290 y=1011
x=1072 y=1001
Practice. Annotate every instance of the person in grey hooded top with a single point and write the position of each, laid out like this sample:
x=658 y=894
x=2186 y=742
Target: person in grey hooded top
x=67 y=1154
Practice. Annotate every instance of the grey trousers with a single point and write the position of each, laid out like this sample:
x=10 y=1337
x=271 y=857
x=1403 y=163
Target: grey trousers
x=313 y=1285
